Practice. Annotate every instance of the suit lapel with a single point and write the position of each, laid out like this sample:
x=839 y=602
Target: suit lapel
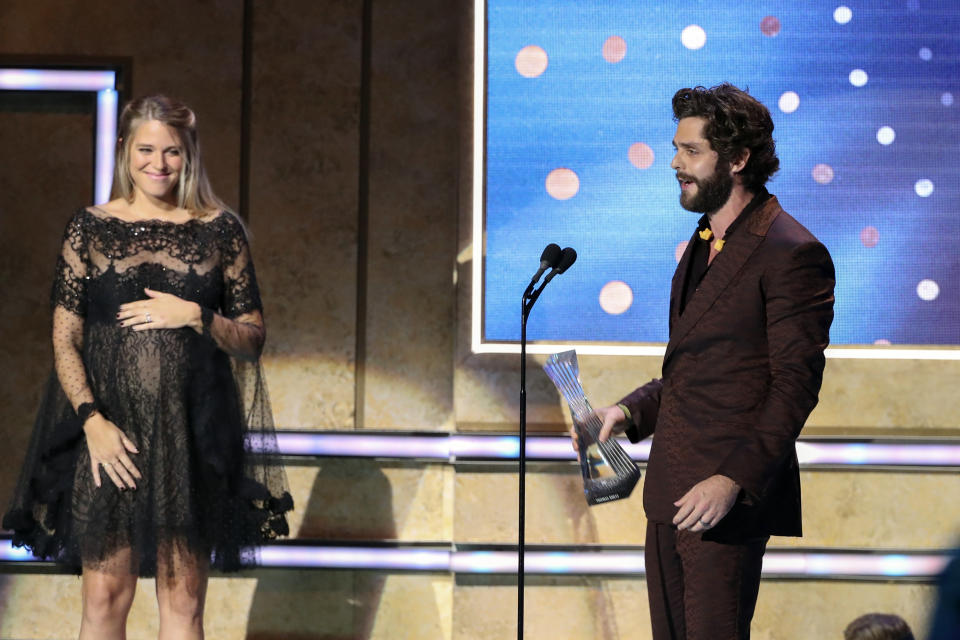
x=679 y=277
x=721 y=273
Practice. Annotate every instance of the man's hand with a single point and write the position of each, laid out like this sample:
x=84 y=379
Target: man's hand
x=614 y=422
x=706 y=503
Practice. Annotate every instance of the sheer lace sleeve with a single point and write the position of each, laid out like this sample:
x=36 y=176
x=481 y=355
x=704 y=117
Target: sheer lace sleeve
x=238 y=329
x=69 y=302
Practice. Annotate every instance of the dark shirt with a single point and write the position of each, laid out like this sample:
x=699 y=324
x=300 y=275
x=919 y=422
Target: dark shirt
x=700 y=257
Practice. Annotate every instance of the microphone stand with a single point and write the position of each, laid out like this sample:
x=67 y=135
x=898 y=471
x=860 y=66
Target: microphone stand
x=529 y=298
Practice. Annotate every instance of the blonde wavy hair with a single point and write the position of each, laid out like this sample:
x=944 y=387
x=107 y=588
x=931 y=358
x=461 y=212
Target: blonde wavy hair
x=193 y=189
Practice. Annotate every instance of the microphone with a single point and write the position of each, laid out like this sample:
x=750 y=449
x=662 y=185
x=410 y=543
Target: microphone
x=567 y=257
x=549 y=259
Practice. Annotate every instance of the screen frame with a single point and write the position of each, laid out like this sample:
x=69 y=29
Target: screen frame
x=478 y=243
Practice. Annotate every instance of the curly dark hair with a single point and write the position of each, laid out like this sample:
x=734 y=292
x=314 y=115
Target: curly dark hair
x=735 y=121
x=878 y=626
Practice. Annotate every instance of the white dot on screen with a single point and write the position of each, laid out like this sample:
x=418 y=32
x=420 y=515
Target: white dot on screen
x=531 y=61
x=886 y=135
x=822 y=173
x=789 y=102
x=842 y=14
x=881 y=341
x=562 y=184
x=616 y=297
x=926 y=54
x=946 y=99
x=928 y=290
x=858 y=77
x=923 y=187
x=693 y=36
x=681 y=247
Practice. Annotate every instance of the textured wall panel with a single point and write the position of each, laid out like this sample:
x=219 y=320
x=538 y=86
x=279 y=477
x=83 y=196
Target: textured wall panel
x=413 y=216
x=303 y=204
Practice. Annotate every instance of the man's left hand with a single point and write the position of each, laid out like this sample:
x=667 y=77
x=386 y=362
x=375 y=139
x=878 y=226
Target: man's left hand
x=706 y=503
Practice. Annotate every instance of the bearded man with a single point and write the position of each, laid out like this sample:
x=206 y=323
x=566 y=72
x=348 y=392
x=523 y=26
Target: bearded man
x=751 y=305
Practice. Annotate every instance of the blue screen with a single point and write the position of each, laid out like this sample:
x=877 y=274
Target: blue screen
x=865 y=99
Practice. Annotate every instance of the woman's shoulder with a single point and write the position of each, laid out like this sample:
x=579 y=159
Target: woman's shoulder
x=223 y=216
x=78 y=221
x=229 y=224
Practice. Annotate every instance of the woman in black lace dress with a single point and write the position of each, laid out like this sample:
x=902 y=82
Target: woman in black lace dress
x=149 y=454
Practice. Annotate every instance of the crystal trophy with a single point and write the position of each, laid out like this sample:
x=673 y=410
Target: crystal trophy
x=608 y=472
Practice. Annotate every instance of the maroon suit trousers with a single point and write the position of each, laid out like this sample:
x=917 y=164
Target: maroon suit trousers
x=701 y=590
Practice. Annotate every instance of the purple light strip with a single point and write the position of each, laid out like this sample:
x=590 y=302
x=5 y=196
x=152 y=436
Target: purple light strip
x=776 y=563
x=549 y=562
x=354 y=558
x=787 y=564
x=506 y=447
x=104 y=84
x=879 y=454
x=363 y=445
x=9 y=553
x=453 y=447
x=56 y=80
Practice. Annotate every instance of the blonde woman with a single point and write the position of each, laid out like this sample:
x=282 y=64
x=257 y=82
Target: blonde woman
x=140 y=463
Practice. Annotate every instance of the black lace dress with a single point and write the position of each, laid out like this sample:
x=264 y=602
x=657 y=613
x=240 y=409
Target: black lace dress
x=195 y=405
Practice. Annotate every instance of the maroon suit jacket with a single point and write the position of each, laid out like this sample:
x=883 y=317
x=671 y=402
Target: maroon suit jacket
x=741 y=374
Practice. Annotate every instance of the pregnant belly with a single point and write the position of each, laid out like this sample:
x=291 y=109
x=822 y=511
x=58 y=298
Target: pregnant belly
x=137 y=364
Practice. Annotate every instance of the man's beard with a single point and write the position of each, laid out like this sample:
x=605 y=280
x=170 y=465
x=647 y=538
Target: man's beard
x=712 y=192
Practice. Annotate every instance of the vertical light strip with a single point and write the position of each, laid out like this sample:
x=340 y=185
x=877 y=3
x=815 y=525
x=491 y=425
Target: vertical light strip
x=479 y=165
x=106 y=141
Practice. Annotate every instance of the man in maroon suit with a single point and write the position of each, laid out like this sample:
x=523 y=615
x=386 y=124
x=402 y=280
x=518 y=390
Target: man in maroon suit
x=750 y=311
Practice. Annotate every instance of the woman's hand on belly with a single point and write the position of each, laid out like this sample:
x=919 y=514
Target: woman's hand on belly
x=160 y=311
x=109 y=448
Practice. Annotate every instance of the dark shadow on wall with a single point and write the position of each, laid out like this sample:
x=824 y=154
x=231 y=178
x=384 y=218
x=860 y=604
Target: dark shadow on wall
x=351 y=500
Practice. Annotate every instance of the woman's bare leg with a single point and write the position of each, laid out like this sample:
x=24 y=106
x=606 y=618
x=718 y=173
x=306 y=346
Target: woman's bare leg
x=181 y=592
x=107 y=598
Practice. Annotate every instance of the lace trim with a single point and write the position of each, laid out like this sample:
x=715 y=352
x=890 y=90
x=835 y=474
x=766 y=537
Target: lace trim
x=94 y=245
x=190 y=242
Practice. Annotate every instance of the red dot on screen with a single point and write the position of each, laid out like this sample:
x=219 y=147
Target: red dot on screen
x=770 y=26
x=869 y=236
x=641 y=155
x=614 y=49
x=531 y=61
x=562 y=183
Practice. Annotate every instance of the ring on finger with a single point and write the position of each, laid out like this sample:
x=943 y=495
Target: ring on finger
x=149 y=319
